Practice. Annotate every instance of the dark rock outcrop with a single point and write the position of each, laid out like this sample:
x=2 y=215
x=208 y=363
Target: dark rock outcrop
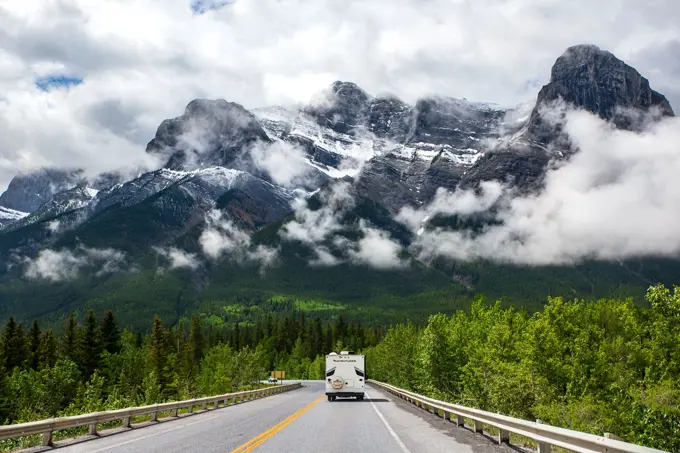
x=595 y=80
x=345 y=108
x=209 y=133
x=584 y=77
x=28 y=191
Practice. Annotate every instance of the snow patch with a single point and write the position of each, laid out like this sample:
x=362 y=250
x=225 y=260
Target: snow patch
x=11 y=214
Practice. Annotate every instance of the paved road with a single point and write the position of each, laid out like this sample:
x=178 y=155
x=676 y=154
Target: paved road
x=296 y=421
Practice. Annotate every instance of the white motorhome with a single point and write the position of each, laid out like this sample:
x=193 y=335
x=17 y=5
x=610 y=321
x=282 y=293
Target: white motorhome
x=345 y=375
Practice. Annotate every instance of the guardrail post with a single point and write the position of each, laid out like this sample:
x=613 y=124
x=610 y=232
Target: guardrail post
x=92 y=431
x=544 y=447
x=191 y=408
x=173 y=413
x=205 y=405
x=503 y=436
x=154 y=416
x=460 y=420
x=47 y=439
x=447 y=415
x=479 y=428
x=126 y=422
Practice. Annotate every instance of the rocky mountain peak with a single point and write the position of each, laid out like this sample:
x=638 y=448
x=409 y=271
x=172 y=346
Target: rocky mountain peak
x=345 y=108
x=26 y=192
x=588 y=77
x=210 y=132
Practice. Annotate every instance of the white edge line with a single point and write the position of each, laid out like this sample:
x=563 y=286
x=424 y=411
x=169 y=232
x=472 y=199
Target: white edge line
x=389 y=428
x=152 y=435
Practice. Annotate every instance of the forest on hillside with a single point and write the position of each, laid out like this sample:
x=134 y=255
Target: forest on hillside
x=96 y=366
x=593 y=366
x=597 y=366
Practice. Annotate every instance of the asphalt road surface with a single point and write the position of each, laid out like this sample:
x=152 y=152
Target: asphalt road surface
x=298 y=421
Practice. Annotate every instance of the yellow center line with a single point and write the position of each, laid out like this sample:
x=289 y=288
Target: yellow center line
x=262 y=438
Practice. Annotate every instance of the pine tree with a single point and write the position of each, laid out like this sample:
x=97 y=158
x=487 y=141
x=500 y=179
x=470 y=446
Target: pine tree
x=196 y=339
x=316 y=338
x=13 y=345
x=110 y=334
x=35 y=341
x=328 y=342
x=339 y=330
x=90 y=344
x=157 y=351
x=69 y=344
x=48 y=349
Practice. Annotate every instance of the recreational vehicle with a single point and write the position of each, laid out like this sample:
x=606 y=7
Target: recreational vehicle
x=345 y=375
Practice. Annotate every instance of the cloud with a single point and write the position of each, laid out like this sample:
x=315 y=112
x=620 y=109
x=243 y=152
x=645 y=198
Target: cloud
x=464 y=202
x=284 y=162
x=377 y=249
x=313 y=227
x=178 y=258
x=320 y=229
x=142 y=61
x=222 y=237
x=66 y=264
x=614 y=199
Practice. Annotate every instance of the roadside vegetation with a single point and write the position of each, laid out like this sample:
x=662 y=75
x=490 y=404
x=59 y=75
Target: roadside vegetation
x=595 y=366
x=600 y=366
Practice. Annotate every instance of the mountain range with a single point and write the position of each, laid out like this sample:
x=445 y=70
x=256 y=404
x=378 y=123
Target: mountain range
x=308 y=202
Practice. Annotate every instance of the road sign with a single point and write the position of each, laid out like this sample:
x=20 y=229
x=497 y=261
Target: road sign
x=279 y=374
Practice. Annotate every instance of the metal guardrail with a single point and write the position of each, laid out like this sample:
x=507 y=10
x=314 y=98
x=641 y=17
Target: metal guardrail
x=47 y=427
x=545 y=435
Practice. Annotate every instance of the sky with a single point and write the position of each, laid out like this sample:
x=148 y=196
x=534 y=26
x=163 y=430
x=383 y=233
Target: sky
x=86 y=83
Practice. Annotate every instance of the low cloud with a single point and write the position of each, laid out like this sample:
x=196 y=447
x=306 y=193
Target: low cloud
x=223 y=238
x=67 y=264
x=178 y=258
x=285 y=163
x=377 y=249
x=616 y=198
x=320 y=230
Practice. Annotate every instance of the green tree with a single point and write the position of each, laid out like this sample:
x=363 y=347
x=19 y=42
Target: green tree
x=90 y=344
x=110 y=334
x=14 y=347
x=70 y=344
x=196 y=339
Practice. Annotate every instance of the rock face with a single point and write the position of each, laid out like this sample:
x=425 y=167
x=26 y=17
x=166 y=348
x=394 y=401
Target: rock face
x=344 y=108
x=593 y=79
x=394 y=153
x=209 y=133
x=584 y=77
x=27 y=192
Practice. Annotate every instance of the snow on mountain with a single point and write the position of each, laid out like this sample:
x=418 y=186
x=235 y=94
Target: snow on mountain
x=8 y=216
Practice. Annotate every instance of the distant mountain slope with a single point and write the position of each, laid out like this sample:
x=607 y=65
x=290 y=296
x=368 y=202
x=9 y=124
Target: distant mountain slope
x=304 y=201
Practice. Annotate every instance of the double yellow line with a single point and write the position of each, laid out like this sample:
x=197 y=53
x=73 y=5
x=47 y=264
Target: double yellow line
x=255 y=442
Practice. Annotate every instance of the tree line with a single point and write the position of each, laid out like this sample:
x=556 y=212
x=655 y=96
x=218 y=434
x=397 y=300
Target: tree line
x=95 y=365
x=592 y=366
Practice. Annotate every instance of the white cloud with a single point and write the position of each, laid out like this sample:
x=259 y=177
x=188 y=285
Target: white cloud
x=143 y=60
x=222 y=237
x=314 y=227
x=66 y=264
x=377 y=249
x=464 y=202
x=319 y=228
x=616 y=198
x=284 y=162
x=178 y=258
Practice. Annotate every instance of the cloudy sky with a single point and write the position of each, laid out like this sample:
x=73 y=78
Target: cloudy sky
x=87 y=82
